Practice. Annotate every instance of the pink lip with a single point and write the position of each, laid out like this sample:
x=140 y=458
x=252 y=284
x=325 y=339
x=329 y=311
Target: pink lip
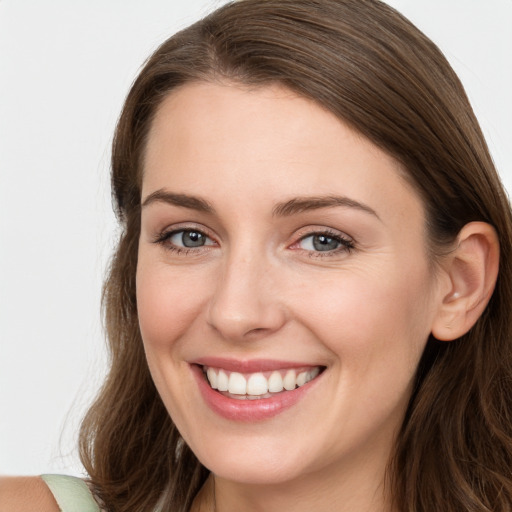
x=252 y=366
x=247 y=410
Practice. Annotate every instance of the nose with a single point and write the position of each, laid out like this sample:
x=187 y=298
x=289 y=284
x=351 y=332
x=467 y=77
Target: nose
x=245 y=304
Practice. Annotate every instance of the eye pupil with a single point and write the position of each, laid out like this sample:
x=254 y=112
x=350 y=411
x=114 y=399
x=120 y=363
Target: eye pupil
x=193 y=239
x=324 y=243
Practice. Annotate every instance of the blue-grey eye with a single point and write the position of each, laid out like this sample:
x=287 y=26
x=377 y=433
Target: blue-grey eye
x=189 y=239
x=320 y=242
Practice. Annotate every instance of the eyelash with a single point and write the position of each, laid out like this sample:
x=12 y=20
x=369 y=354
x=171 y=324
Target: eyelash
x=164 y=238
x=345 y=244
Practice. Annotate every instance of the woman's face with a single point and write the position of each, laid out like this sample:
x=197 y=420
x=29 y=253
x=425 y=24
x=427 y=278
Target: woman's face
x=279 y=248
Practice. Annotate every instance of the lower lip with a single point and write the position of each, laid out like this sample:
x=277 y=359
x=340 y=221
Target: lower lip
x=248 y=410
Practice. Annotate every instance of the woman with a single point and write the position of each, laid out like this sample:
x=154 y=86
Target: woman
x=308 y=306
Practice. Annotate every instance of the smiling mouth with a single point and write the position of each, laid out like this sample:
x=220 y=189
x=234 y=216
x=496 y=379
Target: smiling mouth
x=259 y=385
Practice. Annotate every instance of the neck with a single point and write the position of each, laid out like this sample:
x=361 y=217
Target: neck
x=356 y=482
x=331 y=491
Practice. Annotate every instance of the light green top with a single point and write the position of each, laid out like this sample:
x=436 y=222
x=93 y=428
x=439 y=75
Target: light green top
x=71 y=494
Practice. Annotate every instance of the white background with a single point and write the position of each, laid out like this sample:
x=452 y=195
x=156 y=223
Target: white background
x=65 y=68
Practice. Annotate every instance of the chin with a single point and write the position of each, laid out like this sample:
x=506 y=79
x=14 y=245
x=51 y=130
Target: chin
x=253 y=459
x=256 y=472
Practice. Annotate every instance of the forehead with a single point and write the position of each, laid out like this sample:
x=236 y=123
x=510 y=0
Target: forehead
x=210 y=138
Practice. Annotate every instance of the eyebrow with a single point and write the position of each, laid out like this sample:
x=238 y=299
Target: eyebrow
x=284 y=209
x=302 y=204
x=183 y=200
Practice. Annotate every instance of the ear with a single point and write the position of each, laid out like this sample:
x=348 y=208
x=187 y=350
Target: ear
x=472 y=270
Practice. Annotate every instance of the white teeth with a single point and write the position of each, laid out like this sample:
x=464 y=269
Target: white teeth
x=257 y=384
x=275 y=383
x=237 y=384
x=212 y=377
x=302 y=378
x=289 y=380
x=222 y=381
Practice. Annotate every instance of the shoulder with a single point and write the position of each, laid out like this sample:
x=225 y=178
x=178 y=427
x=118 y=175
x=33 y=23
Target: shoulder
x=47 y=493
x=26 y=494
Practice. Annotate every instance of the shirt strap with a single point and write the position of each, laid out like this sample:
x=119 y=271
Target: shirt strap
x=71 y=493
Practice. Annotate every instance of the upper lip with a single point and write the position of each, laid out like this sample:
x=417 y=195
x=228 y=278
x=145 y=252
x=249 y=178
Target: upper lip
x=250 y=366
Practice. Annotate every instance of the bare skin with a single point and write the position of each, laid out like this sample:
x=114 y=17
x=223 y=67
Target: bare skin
x=228 y=270
x=25 y=494
x=205 y=499
x=257 y=286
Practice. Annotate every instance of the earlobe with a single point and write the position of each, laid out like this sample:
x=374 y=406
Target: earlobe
x=472 y=270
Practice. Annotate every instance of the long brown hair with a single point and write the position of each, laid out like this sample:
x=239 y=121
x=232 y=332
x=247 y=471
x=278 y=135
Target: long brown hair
x=372 y=68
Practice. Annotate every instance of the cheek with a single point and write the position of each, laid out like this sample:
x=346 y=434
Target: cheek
x=368 y=319
x=169 y=301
